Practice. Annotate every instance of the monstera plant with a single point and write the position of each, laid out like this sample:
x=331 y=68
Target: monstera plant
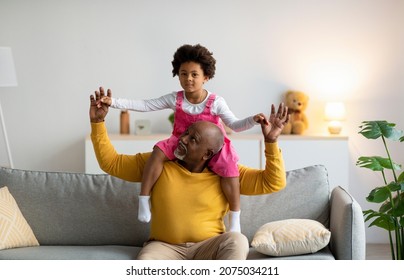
x=390 y=215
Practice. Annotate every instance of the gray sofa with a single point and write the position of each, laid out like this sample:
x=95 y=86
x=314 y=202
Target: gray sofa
x=83 y=216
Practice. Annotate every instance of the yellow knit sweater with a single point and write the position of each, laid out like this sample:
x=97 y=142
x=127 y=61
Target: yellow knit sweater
x=187 y=207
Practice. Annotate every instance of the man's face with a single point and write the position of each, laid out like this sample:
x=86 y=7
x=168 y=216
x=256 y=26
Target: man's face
x=192 y=147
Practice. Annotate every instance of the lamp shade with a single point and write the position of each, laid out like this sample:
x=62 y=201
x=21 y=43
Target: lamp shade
x=8 y=77
x=334 y=111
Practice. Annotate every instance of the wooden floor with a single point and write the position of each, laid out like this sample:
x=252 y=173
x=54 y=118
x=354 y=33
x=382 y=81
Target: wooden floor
x=378 y=252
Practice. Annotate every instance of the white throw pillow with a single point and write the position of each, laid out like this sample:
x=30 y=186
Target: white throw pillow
x=291 y=237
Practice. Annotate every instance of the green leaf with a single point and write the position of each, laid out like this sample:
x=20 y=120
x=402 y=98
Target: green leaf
x=378 y=195
x=386 y=206
x=383 y=222
x=398 y=201
x=370 y=214
x=398 y=211
x=401 y=177
x=376 y=163
x=375 y=129
x=393 y=186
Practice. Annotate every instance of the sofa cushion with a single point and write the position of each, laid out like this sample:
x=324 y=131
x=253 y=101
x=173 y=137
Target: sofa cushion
x=77 y=209
x=306 y=196
x=104 y=252
x=14 y=230
x=291 y=237
x=323 y=254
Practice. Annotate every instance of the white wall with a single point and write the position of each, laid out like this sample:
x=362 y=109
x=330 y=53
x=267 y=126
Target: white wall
x=63 y=50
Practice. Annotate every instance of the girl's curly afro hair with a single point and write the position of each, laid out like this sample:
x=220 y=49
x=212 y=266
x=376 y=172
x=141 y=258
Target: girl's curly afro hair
x=197 y=54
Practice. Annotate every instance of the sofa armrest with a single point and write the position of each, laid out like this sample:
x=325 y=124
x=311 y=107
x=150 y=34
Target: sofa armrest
x=347 y=226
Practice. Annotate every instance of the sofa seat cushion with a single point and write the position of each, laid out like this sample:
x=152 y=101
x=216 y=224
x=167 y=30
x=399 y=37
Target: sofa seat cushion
x=107 y=252
x=122 y=253
x=323 y=254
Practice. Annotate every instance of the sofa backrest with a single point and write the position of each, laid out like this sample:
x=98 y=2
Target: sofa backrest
x=77 y=209
x=306 y=196
x=83 y=209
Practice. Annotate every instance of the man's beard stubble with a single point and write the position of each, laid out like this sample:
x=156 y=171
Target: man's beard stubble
x=178 y=154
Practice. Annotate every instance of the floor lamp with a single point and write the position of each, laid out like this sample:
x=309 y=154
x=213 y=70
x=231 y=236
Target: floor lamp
x=8 y=78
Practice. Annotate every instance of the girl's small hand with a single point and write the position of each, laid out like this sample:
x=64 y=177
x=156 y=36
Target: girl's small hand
x=105 y=100
x=261 y=119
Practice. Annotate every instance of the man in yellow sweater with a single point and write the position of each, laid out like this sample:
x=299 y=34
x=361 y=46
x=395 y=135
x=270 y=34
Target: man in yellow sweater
x=187 y=203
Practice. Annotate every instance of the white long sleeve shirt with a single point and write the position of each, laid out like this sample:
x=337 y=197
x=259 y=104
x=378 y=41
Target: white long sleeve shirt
x=168 y=101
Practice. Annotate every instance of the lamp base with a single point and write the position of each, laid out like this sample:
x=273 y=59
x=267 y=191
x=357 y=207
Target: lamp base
x=334 y=127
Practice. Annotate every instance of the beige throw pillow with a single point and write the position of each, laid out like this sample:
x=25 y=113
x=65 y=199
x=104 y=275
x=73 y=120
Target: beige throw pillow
x=14 y=229
x=291 y=237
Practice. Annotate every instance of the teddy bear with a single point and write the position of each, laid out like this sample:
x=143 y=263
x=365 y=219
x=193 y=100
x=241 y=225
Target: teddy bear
x=296 y=101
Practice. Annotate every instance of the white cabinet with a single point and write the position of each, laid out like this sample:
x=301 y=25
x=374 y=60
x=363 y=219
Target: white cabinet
x=330 y=151
x=248 y=148
x=298 y=151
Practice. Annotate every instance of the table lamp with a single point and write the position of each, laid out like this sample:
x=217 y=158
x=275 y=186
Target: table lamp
x=334 y=113
x=8 y=78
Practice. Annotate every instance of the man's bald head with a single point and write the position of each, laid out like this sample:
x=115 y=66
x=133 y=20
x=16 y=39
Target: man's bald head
x=212 y=134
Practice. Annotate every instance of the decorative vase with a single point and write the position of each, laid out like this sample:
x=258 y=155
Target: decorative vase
x=124 y=122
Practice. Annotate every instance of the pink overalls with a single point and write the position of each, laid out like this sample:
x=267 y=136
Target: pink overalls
x=223 y=163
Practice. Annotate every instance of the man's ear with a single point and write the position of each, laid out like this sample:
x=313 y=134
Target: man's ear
x=209 y=154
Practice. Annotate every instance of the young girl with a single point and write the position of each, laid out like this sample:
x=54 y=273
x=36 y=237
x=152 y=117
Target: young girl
x=194 y=65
